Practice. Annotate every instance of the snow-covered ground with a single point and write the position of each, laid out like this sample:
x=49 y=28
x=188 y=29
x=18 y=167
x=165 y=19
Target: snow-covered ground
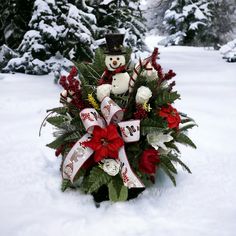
x=203 y=203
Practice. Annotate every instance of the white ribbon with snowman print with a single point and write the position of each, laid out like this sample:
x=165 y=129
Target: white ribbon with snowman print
x=130 y=131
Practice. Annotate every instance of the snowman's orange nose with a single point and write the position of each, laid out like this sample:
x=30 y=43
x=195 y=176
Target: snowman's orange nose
x=114 y=63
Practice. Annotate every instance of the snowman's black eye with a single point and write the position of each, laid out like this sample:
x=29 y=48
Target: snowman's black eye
x=117 y=58
x=110 y=58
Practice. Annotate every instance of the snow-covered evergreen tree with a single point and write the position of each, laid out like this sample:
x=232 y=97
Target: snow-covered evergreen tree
x=58 y=29
x=154 y=13
x=15 y=15
x=81 y=29
x=123 y=16
x=188 y=20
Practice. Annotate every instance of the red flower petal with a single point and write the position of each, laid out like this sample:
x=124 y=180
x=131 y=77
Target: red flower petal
x=101 y=154
x=148 y=161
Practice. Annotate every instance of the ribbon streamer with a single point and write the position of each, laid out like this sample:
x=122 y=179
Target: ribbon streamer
x=130 y=131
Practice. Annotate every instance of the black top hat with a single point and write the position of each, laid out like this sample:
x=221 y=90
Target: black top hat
x=115 y=44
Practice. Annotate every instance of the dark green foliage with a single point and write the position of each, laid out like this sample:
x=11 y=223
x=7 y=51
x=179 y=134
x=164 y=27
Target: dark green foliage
x=56 y=120
x=121 y=14
x=150 y=125
x=168 y=164
x=95 y=180
x=15 y=16
x=174 y=158
x=186 y=127
x=57 y=142
x=91 y=72
x=116 y=189
x=184 y=139
x=168 y=173
x=191 y=19
x=65 y=185
x=59 y=110
x=164 y=97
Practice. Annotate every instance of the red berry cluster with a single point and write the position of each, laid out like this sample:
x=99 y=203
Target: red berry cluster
x=69 y=83
x=169 y=75
x=158 y=68
x=72 y=85
x=140 y=113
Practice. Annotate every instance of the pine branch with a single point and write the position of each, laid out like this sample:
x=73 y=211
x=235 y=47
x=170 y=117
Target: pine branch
x=165 y=97
x=65 y=185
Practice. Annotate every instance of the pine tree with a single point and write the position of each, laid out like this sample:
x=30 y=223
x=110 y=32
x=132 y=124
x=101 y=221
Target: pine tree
x=58 y=30
x=189 y=20
x=121 y=16
x=81 y=28
x=15 y=15
x=220 y=26
x=154 y=13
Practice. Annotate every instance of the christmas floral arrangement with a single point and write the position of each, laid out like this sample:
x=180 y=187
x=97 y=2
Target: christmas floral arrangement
x=117 y=126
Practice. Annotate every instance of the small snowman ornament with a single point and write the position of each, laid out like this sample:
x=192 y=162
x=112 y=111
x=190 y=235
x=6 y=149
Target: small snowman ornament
x=116 y=79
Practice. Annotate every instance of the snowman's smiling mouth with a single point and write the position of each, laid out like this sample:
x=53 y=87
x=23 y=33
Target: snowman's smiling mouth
x=115 y=67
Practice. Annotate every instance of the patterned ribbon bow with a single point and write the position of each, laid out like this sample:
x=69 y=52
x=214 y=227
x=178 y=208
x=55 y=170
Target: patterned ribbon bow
x=80 y=152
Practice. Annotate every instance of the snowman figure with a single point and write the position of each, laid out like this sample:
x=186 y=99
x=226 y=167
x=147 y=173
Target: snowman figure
x=115 y=79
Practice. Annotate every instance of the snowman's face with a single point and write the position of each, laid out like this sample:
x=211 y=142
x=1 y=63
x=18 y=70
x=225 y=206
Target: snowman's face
x=114 y=61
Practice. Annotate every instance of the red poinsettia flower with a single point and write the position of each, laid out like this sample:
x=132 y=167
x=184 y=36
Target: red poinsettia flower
x=148 y=161
x=171 y=115
x=105 y=142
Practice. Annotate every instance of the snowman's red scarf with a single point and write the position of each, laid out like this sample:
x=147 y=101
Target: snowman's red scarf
x=107 y=75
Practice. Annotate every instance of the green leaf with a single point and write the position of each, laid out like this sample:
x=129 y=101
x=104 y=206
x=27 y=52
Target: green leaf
x=184 y=139
x=166 y=161
x=165 y=97
x=168 y=173
x=172 y=146
x=149 y=125
x=96 y=179
x=123 y=193
x=117 y=190
x=177 y=160
x=57 y=142
x=75 y=136
x=187 y=126
x=56 y=120
x=113 y=196
x=58 y=110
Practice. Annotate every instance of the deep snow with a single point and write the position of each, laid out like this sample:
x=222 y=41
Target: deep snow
x=203 y=203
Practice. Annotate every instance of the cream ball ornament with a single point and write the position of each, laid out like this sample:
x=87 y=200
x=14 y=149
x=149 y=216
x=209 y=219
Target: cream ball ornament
x=111 y=166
